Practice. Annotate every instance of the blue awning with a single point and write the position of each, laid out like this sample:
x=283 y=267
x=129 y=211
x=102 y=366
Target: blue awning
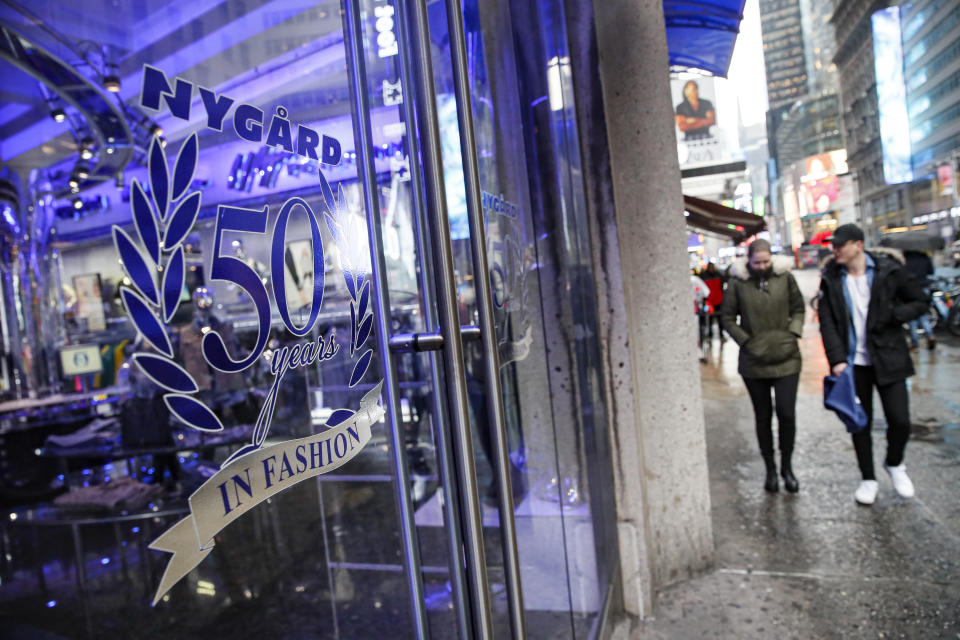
x=701 y=33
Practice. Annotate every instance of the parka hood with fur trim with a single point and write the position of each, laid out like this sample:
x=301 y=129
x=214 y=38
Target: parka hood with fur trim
x=888 y=252
x=780 y=265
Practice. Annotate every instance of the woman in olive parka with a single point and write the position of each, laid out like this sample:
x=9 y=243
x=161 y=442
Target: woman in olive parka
x=763 y=293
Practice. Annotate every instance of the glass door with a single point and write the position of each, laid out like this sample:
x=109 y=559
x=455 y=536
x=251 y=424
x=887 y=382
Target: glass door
x=495 y=174
x=346 y=363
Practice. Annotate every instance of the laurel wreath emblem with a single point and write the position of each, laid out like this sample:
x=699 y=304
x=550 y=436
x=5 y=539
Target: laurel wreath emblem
x=155 y=268
x=358 y=287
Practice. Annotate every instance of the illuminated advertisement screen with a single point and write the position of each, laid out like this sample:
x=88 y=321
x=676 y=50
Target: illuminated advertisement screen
x=945 y=179
x=820 y=186
x=891 y=96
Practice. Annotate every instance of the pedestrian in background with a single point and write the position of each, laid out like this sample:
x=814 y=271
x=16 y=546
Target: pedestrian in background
x=920 y=267
x=763 y=293
x=700 y=294
x=700 y=289
x=714 y=280
x=865 y=297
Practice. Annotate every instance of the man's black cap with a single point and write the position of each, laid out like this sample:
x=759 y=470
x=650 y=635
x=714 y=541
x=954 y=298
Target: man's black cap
x=846 y=233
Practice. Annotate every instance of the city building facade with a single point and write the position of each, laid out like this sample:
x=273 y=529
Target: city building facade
x=785 y=62
x=783 y=51
x=819 y=45
x=810 y=127
x=921 y=194
x=931 y=45
x=804 y=126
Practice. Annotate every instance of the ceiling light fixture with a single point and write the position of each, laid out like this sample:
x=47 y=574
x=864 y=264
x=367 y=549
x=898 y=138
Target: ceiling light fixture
x=58 y=114
x=111 y=83
x=86 y=148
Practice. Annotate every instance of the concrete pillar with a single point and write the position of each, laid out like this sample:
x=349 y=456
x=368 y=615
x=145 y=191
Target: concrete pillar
x=645 y=298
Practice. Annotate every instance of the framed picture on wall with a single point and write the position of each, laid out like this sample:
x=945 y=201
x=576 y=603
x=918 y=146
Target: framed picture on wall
x=90 y=301
x=298 y=264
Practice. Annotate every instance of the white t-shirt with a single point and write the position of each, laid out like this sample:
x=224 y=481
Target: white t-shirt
x=859 y=289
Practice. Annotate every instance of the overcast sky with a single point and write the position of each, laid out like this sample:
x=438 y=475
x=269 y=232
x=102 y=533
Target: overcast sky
x=746 y=84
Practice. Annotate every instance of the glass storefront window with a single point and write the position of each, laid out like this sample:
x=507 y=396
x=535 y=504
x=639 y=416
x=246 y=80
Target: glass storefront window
x=223 y=408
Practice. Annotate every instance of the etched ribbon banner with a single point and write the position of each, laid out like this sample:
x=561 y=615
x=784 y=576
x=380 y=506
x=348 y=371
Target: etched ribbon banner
x=248 y=481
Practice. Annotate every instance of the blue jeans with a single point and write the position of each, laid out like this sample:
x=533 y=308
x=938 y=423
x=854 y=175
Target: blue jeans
x=924 y=322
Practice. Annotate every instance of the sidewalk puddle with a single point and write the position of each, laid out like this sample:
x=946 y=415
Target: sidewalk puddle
x=947 y=435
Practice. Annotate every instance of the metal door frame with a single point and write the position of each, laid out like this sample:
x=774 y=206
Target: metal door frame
x=456 y=457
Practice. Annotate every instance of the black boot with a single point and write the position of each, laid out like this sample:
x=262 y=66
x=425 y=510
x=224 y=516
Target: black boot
x=771 y=484
x=786 y=471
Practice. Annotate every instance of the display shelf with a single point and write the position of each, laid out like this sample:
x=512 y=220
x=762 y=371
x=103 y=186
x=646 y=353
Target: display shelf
x=14 y=412
x=120 y=452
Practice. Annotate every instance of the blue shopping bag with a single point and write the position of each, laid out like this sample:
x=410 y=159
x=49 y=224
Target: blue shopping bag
x=840 y=395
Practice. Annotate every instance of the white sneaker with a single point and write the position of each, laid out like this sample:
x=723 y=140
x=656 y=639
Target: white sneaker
x=901 y=482
x=867 y=492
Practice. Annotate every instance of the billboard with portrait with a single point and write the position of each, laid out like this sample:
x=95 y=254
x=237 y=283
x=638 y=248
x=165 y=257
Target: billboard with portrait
x=695 y=119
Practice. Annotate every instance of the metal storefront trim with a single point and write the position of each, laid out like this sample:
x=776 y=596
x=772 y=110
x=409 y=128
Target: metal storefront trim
x=455 y=375
x=441 y=425
x=491 y=360
x=353 y=36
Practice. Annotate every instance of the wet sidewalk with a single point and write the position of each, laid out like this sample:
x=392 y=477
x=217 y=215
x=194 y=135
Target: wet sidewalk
x=816 y=564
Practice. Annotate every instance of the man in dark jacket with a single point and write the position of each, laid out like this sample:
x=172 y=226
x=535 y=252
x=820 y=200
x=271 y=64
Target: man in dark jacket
x=865 y=297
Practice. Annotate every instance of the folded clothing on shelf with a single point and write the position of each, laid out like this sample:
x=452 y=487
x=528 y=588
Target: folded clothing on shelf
x=193 y=475
x=96 y=430
x=123 y=493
